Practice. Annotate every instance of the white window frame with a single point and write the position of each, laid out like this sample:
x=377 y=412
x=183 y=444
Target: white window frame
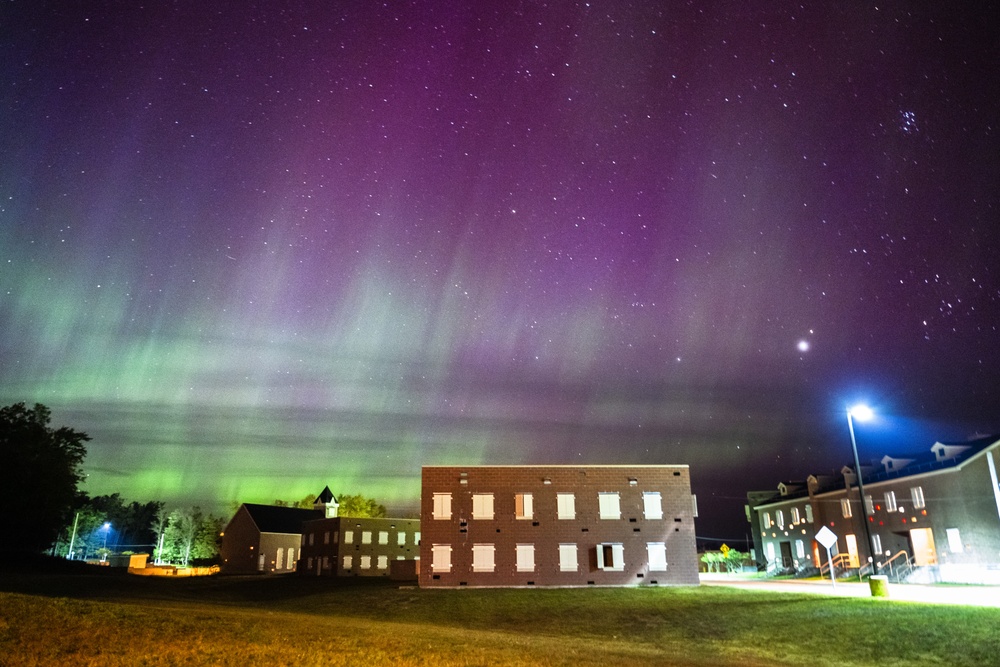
x=348 y=562
x=809 y=513
x=482 y=506
x=566 y=505
x=869 y=505
x=290 y=559
x=401 y=538
x=652 y=505
x=955 y=545
x=366 y=562
x=442 y=506
x=279 y=560
x=615 y=551
x=366 y=537
x=656 y=555
x=383 y=537
x=779 y=518
x=845 y=508
x=484 y=558
x=568 y=558
x=610 y=505
x=348 y=537
x=890 y=501
x=441 y=557
x=765 y=520
x=917 y=496
x=382 y=563
x=524 y=557
x=524 y=506
x=876 y=546
x=796 y=516
x=800 y=549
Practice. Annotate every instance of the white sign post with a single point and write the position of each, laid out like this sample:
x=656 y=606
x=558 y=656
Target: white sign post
x=827 y=538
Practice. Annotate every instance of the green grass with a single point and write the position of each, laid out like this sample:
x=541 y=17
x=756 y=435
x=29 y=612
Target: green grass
x=109 y=620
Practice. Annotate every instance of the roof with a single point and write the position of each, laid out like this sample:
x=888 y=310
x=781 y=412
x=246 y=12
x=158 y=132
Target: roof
x=275 y=519
x=326 y=496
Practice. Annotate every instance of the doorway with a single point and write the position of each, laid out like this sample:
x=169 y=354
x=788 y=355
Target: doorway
x=852 y=550
x=922 y=541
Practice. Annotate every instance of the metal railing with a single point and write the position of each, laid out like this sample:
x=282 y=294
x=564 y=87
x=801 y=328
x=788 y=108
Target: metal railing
x=898 y=570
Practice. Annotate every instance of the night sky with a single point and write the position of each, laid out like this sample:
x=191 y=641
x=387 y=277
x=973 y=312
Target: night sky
x=254 y=248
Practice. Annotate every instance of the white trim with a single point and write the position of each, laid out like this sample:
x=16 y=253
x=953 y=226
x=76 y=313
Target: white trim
x=993 y=478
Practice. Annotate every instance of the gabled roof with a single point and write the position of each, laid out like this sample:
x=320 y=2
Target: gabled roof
x=956 y=453
x=275 y=519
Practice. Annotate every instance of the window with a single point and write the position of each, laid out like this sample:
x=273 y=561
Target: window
x=769 y=552
x=482 y=558
x=383 y=562
x=280 y=561
x=869 y=505
x=809 y=513
x=656 y=553
x=765 y=520
x=796 y=516
x=366 y=562
x=523 y=506
x=954 y=541
x=311 y=538
x=800 y=549
x=482 y=506
x=348 y=562
x=525 y=557
x=845 y=508
x=567 y=558
x=611 y=557
x=779 y=517
x=877 y=545
x=416 y=537
x=652 y=505
x=441 y=558
x=326 y=537
x=290 y=561
x=383 y=537
x=442 y=506
x=348 y=537
x=917 y=494
x=566 y=505
x=890 y=501
x=366 y=537
x=304 y=538
x=400 y=538
x=610 y=506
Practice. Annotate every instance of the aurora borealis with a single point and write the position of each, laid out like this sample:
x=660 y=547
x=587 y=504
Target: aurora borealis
x=257 y=248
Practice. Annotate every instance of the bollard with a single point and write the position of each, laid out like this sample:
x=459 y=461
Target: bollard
x=879 y=584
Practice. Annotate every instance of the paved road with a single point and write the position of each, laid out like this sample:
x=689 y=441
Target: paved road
x=977 y=596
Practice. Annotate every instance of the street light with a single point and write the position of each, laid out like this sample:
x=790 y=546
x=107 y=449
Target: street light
x=107 y=529
x=862 y=413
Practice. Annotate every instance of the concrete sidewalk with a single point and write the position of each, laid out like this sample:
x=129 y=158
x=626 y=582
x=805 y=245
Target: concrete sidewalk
x=974 y=596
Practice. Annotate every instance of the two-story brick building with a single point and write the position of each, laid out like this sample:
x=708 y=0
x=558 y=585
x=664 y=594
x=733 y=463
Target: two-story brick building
x=557 y=526
x=360 y=547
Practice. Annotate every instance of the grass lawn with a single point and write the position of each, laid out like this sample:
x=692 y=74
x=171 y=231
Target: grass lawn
x=108 y=619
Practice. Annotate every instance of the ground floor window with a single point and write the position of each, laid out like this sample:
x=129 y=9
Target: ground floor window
x=441 y=558
x=482 y=558
x=656 y=553
x=611 y=556
x=525 y=557
x=383 y=562
x=567 y=558
x=348 y=562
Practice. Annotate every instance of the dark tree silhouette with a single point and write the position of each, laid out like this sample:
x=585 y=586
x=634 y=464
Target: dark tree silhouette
x=41 y=467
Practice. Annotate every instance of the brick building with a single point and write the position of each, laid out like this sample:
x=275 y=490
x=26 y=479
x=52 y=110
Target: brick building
x=356 y=547
x=557 y=526
x=264 y=539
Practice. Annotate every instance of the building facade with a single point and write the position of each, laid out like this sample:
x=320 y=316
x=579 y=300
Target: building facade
x=359 y=547
x=496 y=526
x=264 y=539
x=932 y=515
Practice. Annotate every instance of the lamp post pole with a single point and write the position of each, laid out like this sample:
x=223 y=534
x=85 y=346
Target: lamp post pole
x=107 y=529
x=861 y=484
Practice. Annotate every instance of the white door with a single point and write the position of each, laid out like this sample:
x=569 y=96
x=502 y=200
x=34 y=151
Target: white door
x=922 y=540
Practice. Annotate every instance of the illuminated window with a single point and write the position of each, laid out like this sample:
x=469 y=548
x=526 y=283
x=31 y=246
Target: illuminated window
x=567 y=558
x=954 y=541
x=348 y=562
x=610 y=505
x=890 y=501
x=482 y=506
x=383 y=537
x=877 y=544
x=366 y=537
x=566 y=505
x=525 y=557
x=845 y=508
x=280 y=561
x=809 y=513
x=416 y=537
x=348 y=537
x=765 y=520
x=779 y=517
x=656 y=554
x=869 y=505
x=441 y=558
x=524 y=506
x=400 y=538
x=800 y=549
x=366 y=562
x=611 y=557
x=769 y=551
x=383 y=562
x=442 y=506
x=290 y=562
x=482 y=558
x=652 y=505
x=796 y=516
x=917 y=494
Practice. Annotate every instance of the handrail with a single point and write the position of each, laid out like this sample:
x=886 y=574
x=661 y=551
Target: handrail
x=899 y=553
x=838 y=561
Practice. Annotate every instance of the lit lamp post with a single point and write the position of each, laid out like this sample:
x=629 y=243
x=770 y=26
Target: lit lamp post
x=107 y=529
x=862 y=413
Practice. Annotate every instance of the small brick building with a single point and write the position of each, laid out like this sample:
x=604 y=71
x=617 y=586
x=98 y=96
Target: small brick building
x=263 y=539
x=495 y=526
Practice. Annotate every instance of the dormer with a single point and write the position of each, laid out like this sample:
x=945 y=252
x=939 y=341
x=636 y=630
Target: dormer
x=892 y=464
x=785 y=488
x=943 y=452
x=818 y=482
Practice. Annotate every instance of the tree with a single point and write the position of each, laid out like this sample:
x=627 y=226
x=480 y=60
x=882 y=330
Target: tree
x=190 y=535
x=359 y=507
x=734 y=560
x=42 y=472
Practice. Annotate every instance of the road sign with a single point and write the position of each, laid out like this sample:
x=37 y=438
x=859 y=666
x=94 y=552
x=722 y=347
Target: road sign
x=826 y=537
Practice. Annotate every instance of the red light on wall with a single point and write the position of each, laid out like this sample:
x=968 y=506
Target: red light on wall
x=904 y=519
x=878 y=507
x=924 y=512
